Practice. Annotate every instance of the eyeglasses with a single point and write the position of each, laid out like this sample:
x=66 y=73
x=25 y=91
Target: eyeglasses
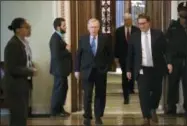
x=142 y=23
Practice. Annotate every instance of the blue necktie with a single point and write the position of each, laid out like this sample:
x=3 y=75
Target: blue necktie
x=93 y=46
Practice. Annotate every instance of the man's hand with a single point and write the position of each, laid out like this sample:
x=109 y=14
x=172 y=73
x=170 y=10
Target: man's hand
x=68 y=47
x=129 y=75
x=170 y=68
x=117 y=62
x=34 y=70
x=77 y=75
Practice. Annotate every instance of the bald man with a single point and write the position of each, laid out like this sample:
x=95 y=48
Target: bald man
x=123 y=34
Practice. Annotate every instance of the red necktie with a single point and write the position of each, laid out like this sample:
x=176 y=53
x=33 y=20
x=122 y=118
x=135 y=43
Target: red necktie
x=128 y=34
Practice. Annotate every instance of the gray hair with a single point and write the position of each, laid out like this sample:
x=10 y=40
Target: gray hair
x=91 y=20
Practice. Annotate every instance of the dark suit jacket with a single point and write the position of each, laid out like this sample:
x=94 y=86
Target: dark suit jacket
x=61 y=58
x=85 y=60
x=158 y=44
x=16 y=71
x=121 y=45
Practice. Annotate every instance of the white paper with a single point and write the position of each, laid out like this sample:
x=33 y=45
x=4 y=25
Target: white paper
x=141 y=72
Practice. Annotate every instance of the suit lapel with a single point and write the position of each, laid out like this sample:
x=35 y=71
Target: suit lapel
x=152 y=38
x=132 y=30
x=20 y=43
x=60 y=38
x=88 y=46
x=139 y=43
x=98 y=44
x=22 y=47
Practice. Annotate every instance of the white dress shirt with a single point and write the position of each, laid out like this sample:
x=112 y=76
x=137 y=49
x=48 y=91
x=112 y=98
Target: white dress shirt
x=147 y=59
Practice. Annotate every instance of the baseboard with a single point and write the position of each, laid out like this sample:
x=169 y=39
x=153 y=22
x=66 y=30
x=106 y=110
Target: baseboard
x=4 y=112
x=40 y=109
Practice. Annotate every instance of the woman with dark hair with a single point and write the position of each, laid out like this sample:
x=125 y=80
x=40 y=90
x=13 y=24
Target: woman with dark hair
x=18 y=71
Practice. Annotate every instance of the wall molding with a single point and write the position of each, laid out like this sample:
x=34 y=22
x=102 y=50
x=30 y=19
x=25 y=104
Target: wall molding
x=62 y=8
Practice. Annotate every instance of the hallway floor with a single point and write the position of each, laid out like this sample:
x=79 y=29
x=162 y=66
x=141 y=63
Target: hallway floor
x=116 y=114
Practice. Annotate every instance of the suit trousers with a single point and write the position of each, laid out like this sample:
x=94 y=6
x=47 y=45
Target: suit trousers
x=179 y=72
x=150 y=89
x=59 y=94
x=127 y=86
x=18 y=106
x=99 y=81
x=30 y=99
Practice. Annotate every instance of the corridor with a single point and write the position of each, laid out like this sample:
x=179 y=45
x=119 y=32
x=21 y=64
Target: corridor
x=116 y=114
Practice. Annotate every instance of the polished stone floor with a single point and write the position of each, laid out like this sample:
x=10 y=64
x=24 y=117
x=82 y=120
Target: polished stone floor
x=116 y=114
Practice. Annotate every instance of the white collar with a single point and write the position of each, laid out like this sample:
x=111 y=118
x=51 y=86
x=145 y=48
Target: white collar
x=93 y=36
x=148 y=32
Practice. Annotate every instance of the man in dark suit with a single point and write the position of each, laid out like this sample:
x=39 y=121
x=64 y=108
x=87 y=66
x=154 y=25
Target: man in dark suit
x=18 y=72
x=177 y=45
x=148 y=49
x=121 y=46
x=60 y=67
x=94 y=57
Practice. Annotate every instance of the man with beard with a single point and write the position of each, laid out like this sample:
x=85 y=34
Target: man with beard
x=177 y=46
x=60 y=67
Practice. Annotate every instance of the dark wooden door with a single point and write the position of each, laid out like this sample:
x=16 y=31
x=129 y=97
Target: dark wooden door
x=80 y=13
x=105 y=12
